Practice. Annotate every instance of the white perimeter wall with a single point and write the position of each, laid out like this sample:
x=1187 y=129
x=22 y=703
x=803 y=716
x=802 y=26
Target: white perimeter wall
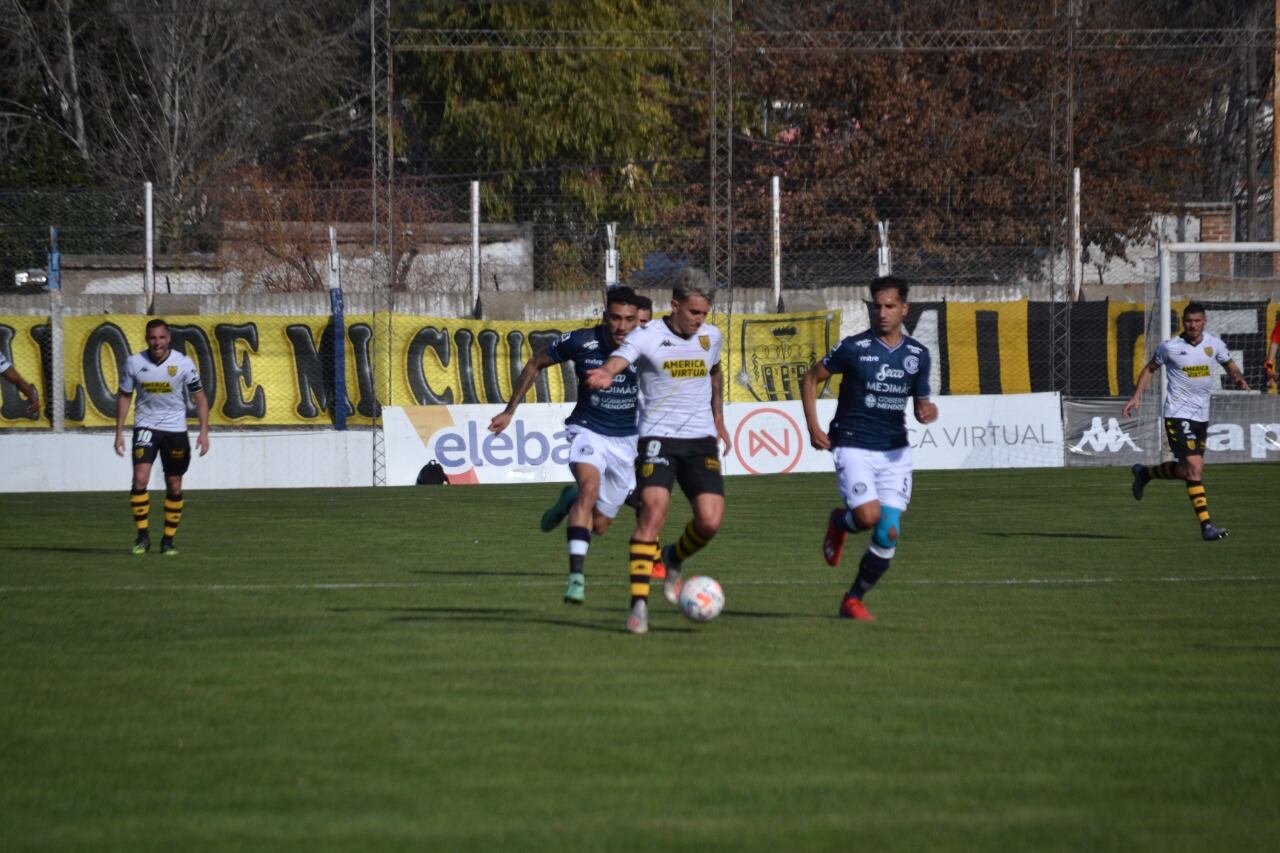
x=87 y=462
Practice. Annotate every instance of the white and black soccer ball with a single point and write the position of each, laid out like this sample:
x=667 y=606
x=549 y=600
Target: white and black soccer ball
x=701 y=598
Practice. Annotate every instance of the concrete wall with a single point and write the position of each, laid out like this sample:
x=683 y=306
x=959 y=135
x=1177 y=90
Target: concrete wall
x=86 y=462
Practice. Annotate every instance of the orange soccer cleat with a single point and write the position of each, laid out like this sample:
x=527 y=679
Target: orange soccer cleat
x=853 y=608
x=833 y=542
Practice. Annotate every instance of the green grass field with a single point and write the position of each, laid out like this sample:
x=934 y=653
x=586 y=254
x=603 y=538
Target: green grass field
x=1054 y=667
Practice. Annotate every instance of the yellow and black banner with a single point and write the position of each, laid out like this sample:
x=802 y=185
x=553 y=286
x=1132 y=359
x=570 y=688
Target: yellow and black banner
x=261 y=370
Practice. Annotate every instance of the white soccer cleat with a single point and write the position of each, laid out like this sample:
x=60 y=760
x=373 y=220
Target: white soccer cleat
x=672 y=585
x=638 y=618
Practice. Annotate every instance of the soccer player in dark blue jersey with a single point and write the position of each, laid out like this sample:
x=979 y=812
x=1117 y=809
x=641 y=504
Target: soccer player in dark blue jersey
x=601 y=429
x=880 y=369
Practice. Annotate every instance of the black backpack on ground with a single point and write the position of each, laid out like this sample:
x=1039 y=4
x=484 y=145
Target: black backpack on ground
x=432 y=474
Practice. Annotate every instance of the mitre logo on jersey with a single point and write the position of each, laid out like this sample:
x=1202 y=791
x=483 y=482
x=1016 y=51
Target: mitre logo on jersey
x=778 y=352
x=1109 y=439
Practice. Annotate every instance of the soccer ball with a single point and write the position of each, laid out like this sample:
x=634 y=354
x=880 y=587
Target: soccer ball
x=701 y=598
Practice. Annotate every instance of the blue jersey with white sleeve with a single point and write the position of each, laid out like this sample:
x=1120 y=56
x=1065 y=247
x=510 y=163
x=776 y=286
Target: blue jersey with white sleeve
x=608 y=412
x=877 y=380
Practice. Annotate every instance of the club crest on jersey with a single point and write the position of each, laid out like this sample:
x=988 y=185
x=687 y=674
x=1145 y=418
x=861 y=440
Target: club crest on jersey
x=1208 y=350
x=704 y=341
x=646 y=470
x=911 y=364
x=173 y=370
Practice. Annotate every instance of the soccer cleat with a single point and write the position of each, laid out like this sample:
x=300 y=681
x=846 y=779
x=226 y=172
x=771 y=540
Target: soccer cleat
x=638 y=618
x=142 y=544
x=1140 y=480
x=659 y=570
x=575 y=591
x=833 y=542
x=560 y=508
x=1211 y=533
x=853 y=608
x=671 y=586
x=167 y=549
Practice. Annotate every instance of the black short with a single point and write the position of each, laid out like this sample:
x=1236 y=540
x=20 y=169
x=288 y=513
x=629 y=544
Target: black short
x=692 y=462
x=174 y=449
x=1186 y=438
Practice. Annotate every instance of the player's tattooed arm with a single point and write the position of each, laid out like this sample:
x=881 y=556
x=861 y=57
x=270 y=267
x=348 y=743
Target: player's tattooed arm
x=528 y=375
x=717 y=405
x=818 y=437
x=1237 y=376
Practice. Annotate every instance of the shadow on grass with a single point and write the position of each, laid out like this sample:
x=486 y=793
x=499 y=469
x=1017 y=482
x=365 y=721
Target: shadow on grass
x=1049 y=535
x=66 y=549
x=499 y=615
x=475 y=573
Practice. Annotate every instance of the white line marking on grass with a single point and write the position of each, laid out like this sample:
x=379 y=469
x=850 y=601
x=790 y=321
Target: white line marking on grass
x=507 y=582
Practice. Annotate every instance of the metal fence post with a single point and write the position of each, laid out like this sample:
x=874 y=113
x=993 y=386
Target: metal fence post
x=57 y=392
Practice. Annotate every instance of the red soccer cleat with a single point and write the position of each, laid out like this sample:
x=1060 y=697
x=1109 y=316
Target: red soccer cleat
x=659 y=570
x=853 y=608
x=833 y=542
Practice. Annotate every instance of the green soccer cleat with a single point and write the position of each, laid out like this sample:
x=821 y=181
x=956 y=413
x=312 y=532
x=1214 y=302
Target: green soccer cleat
x=575 y=591
x=552 y=517
x=167 y=549
x=142 y=544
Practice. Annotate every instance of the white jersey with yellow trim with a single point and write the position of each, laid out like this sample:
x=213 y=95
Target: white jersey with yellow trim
x=1188 y=372
x=675 y=378
x=162 y=390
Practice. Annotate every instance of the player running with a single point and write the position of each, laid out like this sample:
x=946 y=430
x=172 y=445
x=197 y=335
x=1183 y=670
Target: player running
x=162 y=379
x=601 y=430
x=1186 y=360
x=556 y=514
x=678 y=360
x=882 y=367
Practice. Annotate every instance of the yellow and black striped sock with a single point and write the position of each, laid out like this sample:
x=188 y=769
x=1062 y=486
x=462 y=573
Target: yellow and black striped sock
x=1199 y=501
x=140 y=503
x=642 y=556
x=1163 y=471
x=172 y=514
x=691 y=542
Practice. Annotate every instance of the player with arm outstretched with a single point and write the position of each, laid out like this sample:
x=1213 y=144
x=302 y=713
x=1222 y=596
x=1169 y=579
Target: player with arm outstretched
x=601 y=430
x=9 y=372
x=682 y=421
x=162 y=380
x=1186 y=360
x=881 y=368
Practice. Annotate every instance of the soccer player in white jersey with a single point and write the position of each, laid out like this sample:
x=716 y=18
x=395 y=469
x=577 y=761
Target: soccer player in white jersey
x=162 y=379
x=1186 y=360
x=681 y=421
x=9 y=372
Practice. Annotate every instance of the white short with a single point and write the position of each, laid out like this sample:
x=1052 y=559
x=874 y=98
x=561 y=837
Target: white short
x=874 y=475
x=614 y=456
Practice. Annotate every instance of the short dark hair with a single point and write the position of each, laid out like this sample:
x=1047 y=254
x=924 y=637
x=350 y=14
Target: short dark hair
x=1193 y=308
x=889 y=282
x=644 y=303
x=155 y=324
x=621 y=295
